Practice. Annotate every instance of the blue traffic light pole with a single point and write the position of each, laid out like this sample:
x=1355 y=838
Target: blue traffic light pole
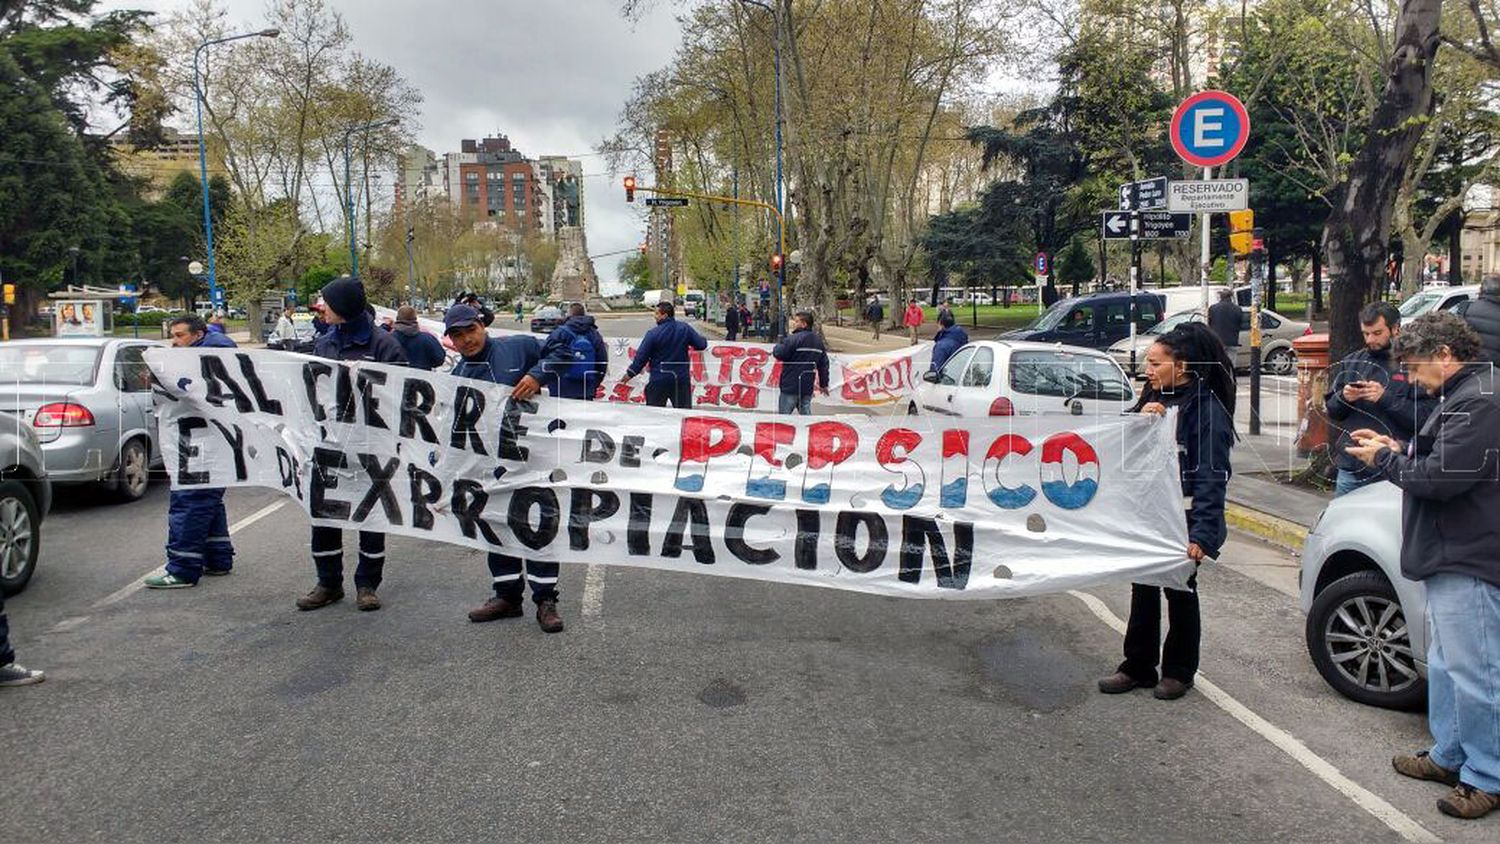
x=214 y=297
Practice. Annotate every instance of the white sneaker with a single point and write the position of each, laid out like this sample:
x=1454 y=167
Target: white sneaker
x=16 y=674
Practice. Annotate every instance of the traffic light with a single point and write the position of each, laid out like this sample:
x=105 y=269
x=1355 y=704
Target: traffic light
x=411 y=233
x=630 y=189
x=1241 y=232
x=776 y=260
x=10 y=294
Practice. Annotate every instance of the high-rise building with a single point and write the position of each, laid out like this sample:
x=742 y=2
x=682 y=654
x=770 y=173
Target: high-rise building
x=419 y=176
x=494 y=181
x=159 y=165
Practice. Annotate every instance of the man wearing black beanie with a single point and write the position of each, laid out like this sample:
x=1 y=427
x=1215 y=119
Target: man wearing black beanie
x=352 y=337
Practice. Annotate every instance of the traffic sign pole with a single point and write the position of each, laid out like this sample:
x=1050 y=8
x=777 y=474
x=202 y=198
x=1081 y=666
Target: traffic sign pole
x=1205 y=256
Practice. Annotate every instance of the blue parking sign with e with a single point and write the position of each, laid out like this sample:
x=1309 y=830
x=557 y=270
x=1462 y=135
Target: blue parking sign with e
x=1210 y=128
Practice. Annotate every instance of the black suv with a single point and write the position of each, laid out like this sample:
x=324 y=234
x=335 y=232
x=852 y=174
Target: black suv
x=1095 y=321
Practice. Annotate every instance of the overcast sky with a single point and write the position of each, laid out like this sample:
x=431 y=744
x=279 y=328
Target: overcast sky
x=551 y=74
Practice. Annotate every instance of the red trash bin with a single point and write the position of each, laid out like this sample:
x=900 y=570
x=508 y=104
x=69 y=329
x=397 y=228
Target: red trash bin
x=1312 y=385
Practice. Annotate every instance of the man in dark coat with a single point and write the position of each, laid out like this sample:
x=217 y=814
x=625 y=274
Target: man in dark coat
x=1449 y=476
x=804 y=360
x=950 y=338
x=509 y=361
x=665 y=349
x=1483 y=315
x=423 y=351
x=352 y=335
x=875 y=313
x=1225 y=318
x=732 y=322
x=197 y=526
x=1368 y=389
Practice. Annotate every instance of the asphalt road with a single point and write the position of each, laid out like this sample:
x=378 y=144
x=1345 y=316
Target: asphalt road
x=675 y=707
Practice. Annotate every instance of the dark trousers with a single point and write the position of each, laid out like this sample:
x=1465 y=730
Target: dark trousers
x=505 y=571
x=328 y=557
x=7 y=655
x=1144 y=650
x=197 y=533
x=731 y=333
x=676 y=391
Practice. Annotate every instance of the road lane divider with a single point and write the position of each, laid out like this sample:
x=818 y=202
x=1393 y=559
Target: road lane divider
x=140 y=582
x=1398 y=821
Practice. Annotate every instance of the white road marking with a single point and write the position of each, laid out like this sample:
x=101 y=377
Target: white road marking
x=593 y=591
x=1398 y=821
x=69 y=623
x=140 y=582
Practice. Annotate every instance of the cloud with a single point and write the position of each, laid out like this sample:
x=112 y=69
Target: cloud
x=551 y=75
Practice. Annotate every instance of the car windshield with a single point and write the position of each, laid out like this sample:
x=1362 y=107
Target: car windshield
x=1053 y=316
x=549 y=313
x=48 y=364
x=1171 y=322
x=1068 y=375
x=1419 y=304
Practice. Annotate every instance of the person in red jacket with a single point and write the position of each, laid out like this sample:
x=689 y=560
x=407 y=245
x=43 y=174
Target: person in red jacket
x=912 y=319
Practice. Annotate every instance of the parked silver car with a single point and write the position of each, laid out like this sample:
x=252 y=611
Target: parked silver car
x=25 y=498
x=1366 y=624
x=1276 y=332
x=90 y=401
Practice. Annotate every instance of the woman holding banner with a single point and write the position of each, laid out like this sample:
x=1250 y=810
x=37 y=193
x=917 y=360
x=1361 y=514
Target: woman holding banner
x=1187 y=368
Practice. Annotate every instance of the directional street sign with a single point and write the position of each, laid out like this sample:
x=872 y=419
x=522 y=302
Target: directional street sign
x=1210 y=128
x=1144 y=195
x=1116 y=225
x=1163 y=225
x=667 y=201
x=1152 y=225
x=1209 y=196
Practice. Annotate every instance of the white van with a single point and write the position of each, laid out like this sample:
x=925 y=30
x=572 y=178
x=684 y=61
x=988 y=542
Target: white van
x=1188 y=297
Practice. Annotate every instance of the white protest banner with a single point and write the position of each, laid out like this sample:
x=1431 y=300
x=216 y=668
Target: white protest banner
x=912 y=506
x=743 y=375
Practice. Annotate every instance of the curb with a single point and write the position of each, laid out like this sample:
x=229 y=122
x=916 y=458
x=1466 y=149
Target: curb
x=1264 y=526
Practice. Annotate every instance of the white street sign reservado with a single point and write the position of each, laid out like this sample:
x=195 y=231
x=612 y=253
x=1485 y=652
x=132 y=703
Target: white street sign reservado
x=1208 y=196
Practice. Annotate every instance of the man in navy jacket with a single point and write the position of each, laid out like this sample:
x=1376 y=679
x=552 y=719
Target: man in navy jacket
x=423 y=351
x=950 y=338
x=508 y=361
x=803 y=358
x=352 y=336
x=197 y=526
x=665 y=350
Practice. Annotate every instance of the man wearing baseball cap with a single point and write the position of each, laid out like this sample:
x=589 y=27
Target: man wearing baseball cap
x=509 y=361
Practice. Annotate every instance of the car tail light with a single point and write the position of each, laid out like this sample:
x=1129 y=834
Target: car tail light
x=62 y=415
x=1307 y=331
x=1002 y=407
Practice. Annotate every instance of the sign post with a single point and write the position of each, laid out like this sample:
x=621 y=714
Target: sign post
x=1209 y=129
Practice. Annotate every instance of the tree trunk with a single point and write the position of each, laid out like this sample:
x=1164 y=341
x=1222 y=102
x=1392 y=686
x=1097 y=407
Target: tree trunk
x=1317 y=284
x=1357 y=232
x=1456 y=249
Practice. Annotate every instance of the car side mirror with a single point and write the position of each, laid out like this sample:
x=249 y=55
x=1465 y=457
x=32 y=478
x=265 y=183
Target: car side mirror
x=931 y=376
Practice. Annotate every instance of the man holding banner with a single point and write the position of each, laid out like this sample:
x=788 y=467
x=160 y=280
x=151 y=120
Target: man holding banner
x=803 y=356
x=510 y=361
x=665 y=349
x=352 y=337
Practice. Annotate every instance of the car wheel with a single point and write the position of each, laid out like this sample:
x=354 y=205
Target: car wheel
x=134 y=473
x=1357 y=637
x=20 y=537
x=1281 y=362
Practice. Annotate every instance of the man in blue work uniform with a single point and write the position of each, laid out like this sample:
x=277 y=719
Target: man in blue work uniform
x=197 y=526
x=509 y=361
x=804 y=366
x=423 y=351
x=665 y=350
x=353 y=337
x=575 y=359
x=950 y=338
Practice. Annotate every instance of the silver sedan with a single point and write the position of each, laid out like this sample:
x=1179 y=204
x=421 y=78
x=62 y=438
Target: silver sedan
x=90 y=402
x=1276 y=352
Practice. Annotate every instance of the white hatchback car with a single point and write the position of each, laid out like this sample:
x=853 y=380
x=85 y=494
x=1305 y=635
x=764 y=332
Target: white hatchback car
x=1020 y=378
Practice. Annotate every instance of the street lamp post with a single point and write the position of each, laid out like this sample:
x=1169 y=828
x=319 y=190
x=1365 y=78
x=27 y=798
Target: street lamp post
x=780 y=184
x=349 y=187
x=208 y=222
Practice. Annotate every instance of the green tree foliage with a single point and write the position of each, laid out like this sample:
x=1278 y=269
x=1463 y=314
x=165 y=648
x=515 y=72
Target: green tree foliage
x=635 y=273
x=1075 y=266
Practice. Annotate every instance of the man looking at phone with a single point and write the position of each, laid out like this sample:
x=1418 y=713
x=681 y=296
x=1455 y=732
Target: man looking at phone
x=1369 y=390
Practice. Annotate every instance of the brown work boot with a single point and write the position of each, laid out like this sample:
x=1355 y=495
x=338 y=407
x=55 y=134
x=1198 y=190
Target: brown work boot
x=1468 y=802
x=1170 y=688
x=547 y=617
x=1420 y=766
x=496 y=608
x=366 y=599
x=320 y=597
x=1119 y=683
